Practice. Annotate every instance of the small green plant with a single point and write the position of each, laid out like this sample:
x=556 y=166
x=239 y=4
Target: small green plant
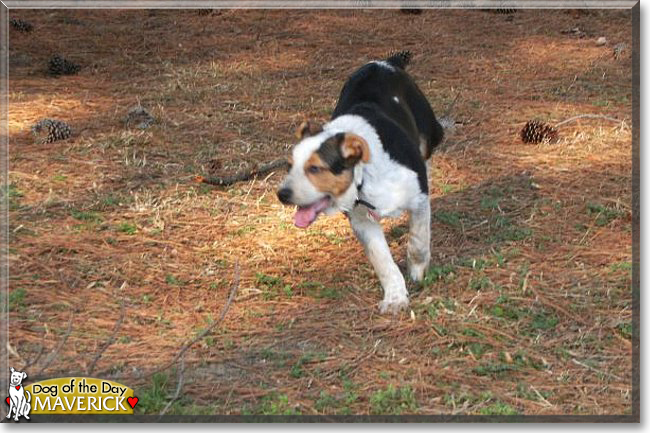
x=480 y=282
x=59 y=178
x=128 y=228
x=449 y=218
x=297 y=370
x=435 y=273
x=17 y=299
x=91 y=217
x=172 y=280
x=154 y=398
x=604 y=214
x=494 y=369
x=625 y=330
x=12 y=195
x=543 y=321
x=393 y=401
x=490 y=203
x=498 y=408
x=276 y=404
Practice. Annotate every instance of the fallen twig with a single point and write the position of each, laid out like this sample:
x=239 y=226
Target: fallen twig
x=224 y=310
x=58 y=348
x=588 y=367
x=243 y=175
x=111 y=340
x=587 y=116
x=179 y=386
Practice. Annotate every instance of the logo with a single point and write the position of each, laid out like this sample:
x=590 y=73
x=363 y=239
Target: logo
x=68 y=395
x=19 y=398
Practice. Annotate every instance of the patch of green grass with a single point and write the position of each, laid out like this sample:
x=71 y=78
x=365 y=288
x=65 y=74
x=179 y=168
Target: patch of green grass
x=494 y=369
x=91 y=217
x=449 y=218
x=393 y=401
x=543 y=321
x=320 y=291
x=154 y=398
x=625 y=329
x=172 y=280
x=507 y=231
x=17 y=299
x=12 y=195
x=490 y=203
x=604 y=214
x=273 y=286
x=275 y=404
x=243 y=230
x=479 y=349
x=59 y=178
x=128 y=228
x=326 y=403
x=477 y=264
x=436 y=273
x=527 y=392
x=620 y=266
x=297 y=370
x=480 y=282
x=498 y=408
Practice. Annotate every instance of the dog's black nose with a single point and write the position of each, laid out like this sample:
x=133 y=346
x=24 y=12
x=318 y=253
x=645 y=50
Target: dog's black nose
x=285 y=195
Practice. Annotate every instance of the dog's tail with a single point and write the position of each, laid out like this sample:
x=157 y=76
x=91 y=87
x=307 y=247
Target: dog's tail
x=28 y=396
x=399 y=59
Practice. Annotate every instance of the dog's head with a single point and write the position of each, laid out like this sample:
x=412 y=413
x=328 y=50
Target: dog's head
x=321 y=172
x=17 y=377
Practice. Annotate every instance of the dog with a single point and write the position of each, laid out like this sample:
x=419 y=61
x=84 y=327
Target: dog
x=370 y=162
x=19 y=399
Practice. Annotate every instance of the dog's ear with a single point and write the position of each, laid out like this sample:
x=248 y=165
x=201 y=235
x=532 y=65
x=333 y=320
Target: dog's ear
x=307 y=129
x=12 y=369
x=354 y=149
x=24 y=375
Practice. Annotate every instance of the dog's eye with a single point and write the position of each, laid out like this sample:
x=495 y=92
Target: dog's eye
x=313 y=169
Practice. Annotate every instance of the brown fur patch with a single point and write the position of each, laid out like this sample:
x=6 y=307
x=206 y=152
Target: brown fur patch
x=355 y=147
x=308 y=128
x=325 y=180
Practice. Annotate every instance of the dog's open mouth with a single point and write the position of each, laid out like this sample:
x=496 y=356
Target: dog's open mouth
x=305 y=215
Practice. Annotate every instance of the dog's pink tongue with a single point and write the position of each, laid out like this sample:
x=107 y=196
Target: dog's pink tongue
x=305 y=215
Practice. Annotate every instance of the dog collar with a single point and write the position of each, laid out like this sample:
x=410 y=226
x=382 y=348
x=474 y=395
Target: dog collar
x=371 y=209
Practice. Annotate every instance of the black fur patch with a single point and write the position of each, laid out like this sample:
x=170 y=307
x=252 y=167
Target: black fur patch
x=369 y=93
x=330 y=153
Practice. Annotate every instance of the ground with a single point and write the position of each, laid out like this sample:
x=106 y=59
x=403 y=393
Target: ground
x=526 y=307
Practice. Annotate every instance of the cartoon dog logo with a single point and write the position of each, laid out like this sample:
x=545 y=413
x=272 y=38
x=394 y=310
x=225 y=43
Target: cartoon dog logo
x=19 y=400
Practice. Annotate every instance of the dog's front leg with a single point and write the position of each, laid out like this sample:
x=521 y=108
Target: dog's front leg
x=371 y=236
x=12 y=406
x=418 y=251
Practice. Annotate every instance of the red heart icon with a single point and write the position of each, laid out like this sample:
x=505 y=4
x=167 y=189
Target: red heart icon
x=131 y=400
x=7 y=400
x=18 y=387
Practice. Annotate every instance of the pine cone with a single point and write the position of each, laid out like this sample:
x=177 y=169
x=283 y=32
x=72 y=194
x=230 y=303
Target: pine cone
x=60 y=66
x=536 y=132
x=50 y=130
x=20 y=25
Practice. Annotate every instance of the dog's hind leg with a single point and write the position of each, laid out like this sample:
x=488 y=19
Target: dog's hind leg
x=419 y=244
x=370 y=234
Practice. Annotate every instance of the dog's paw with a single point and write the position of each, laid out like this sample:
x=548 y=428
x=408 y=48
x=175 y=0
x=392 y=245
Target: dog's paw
x=393 y=305
x=416 y=271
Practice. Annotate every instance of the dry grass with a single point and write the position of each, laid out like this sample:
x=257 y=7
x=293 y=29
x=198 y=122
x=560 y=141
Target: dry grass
x=527 y=306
